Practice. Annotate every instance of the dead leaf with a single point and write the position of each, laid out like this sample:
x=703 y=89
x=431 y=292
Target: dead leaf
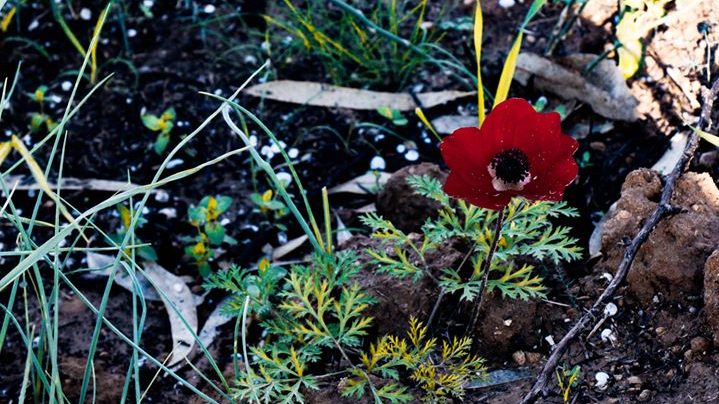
x=100 y=265
x=447 y=124
x=176 y=291
x=603 y=89
x=75 y=184
x=364 y=184
x=342 y=233
x=669 y=159
x=288 y=247
x=217 y=319
x=327 y=95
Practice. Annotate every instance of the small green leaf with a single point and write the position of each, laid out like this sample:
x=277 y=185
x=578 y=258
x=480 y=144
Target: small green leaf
x=386 y=112
x=215 y=232
x=151 y=122
x=163 y=139
x=36 y=121
x=166 y=126
x=204 y=269
x=169 y=114
x=147 y=252
x=196 y=215
x=223 y=203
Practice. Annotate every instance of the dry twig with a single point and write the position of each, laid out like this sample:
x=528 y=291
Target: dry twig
x=663 y=209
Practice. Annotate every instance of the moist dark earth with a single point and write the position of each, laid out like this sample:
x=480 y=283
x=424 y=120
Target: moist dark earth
x=660 y=347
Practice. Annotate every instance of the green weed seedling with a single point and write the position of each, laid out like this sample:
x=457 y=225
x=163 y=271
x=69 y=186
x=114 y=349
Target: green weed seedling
x=38 y=119
x=395 y=116
x=210 y=231
x=162 y=124
x=144 y=251
x=269 y=204
x=567 y=379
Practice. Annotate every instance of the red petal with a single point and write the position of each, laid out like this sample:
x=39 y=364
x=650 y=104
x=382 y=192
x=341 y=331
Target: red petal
x=551 y=183
x=457 y=187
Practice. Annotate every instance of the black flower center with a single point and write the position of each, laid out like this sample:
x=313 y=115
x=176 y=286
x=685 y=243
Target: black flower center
x=510 y=166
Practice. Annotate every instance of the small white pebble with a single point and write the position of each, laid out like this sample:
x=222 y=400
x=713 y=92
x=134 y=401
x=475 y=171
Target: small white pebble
x=209 y=8
x=170 y=213
x=148 y=3
x=33 y=24
x=131 y=33
x=285 y=178
x=610 y=309
x=550 y=340
x=86 y=14
x=66 y=85
x=250 y=60
x=412 y=155
x=293 y=153
x=608 y=336
x=508 y=322
x=225 y=221
x=506 y=3
x=401 y=148
x=377 y=163
x=162 y=196
x=602 y=380
x=253 y=140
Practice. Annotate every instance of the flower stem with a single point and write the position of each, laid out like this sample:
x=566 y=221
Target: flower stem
x=486 y=266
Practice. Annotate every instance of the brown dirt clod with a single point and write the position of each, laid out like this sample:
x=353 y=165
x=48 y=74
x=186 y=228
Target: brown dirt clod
x=399 y=203
x=711 y=293
x=670 y=262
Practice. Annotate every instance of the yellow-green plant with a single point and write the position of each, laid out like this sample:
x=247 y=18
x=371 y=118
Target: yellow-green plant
x=527 y=232
x=269 y=204
x=567 y=379
x=162 y=124
x=38 y=119
x=144 y=251
x=210 y=232
x=440 y=373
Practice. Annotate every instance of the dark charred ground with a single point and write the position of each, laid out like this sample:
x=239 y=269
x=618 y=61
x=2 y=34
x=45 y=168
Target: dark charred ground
x=176 y=54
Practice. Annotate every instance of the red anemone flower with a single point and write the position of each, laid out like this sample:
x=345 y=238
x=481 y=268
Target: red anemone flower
x=516 y=152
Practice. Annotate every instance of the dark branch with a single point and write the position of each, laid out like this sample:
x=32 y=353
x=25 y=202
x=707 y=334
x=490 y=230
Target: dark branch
x=663 y=208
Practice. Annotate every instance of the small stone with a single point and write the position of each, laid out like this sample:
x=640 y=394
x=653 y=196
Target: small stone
x=688 y=355
x=700 y=345
x=610 y=309
x=645 y=395
x=86 y=14
x=508 y=322
x=634 y=381
x=660 y=331
x=411 y=155
x=598 y=146
x=520 y=358
x=602 y=380
x=533 y=357
x=709 y=159
x=377 y=163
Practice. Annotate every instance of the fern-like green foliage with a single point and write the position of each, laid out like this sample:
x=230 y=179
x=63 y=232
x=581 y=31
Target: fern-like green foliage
x=527 y=232
x=440 y=372
x=309 y=312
